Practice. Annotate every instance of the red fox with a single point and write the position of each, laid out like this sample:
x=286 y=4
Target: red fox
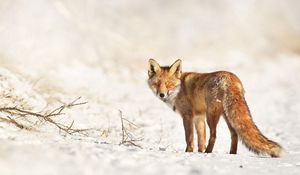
x=200 y=96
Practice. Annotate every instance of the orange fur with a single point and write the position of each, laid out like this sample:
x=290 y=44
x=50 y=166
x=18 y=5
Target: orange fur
x=194 y=95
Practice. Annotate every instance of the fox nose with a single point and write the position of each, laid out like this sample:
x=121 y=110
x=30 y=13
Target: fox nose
x=162 y=95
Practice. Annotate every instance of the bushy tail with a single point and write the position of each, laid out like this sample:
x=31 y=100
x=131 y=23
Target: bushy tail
x=239 y=117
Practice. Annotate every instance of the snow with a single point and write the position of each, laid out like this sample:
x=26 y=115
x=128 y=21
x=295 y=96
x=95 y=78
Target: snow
x=52 y=52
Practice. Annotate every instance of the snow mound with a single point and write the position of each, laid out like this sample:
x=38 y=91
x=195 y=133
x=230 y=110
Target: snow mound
x=15 y=91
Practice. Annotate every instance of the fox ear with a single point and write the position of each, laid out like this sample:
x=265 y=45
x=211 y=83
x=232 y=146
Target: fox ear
x=176 y=68
x=154 y=67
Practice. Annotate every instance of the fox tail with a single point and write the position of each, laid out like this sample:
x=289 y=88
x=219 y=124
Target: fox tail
x=239 y=117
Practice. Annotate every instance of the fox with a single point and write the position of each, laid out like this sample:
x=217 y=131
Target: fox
x=208 y=96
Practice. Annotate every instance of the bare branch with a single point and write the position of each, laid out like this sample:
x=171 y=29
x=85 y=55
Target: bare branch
x=15 y=112
x=127 y=137
x=10 y=120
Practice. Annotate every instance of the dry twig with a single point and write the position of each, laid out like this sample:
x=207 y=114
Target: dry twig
x=15 y=112
x=14 y=122
x=127 y=137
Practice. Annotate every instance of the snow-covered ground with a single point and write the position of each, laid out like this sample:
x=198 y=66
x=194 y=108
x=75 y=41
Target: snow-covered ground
x=52 y=52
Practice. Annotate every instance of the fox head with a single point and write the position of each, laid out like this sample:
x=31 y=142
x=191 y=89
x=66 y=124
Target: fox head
x=164 y=81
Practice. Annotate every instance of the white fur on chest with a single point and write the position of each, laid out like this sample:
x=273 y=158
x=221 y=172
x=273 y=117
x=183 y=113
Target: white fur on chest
x=170 y=102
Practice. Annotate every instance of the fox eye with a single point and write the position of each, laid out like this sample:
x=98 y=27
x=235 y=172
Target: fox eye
x=169 y=85
x=155 y=84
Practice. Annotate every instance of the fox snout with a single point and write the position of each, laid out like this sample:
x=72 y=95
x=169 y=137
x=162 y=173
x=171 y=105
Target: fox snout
x=162 y=91
x=162 y=95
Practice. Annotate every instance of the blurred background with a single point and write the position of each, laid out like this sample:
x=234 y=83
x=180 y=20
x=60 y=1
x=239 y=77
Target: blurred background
x=47 y=33
x=89 y=48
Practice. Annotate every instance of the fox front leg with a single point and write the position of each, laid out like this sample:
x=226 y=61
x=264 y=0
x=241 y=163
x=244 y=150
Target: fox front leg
x=189 y=133
x=201 y=131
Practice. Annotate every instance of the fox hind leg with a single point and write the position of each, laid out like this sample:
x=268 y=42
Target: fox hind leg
x=234 y=138
x=213 y=117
